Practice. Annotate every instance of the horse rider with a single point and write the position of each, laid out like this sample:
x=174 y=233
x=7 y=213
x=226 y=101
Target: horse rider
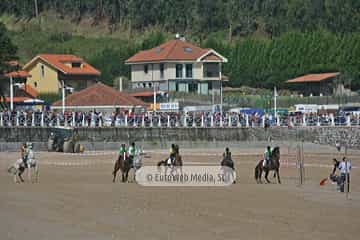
x=267 y=156
x=345 y=168
x=23 y=152
x=227 y=155
x=30 y=154
x=171 y=159
x=123 y=150
x=132 y=153
x=227 y=158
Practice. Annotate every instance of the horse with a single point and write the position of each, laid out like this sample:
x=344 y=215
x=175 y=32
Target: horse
x=18 y=168
x=123 y=164
x=177 y=161
x=273 y=165
x=228 y=162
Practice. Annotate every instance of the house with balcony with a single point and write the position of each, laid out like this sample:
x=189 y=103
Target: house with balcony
x=178 y=66
x=48 y=73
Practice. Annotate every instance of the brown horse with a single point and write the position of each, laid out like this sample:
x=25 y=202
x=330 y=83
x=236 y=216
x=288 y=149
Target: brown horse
x=123 y=164
x=273 y=165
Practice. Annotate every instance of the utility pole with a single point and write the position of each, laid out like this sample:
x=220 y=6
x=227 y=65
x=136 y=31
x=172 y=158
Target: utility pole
x=37 y=11
x=275 y=95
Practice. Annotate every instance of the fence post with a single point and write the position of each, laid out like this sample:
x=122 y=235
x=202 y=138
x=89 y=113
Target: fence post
x=185 y=125
x=73 y=119
x=348 y=122
x=134 y=121
x=1 y=119
x=143 y=121
x=159 y=122
x=229 y=121
x=126 y=120
x=212 y=120
x=247 y=120
x=318 y=121
x=42 y=119
x=33 y=120
x=168 y=120
x=17 y=119
x=263 y=121
x=202 y=120
x=332 y=120
x=304 y=120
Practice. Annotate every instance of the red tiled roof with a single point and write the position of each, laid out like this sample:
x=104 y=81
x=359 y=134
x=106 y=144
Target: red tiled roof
x=30 y=90
x=211 y=57
x=172 y=50
x=313 y=77
x=18 y=74
x=100 y=95
x=59 y=61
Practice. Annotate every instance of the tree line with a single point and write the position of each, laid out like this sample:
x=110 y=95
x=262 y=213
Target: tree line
x=266 y=41
x=201 y=17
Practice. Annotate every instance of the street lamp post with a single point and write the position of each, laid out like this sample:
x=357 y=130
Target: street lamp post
x=63 y=96
x=11 y=94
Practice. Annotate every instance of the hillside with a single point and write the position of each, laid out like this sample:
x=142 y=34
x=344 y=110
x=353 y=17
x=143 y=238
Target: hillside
x=266 y=41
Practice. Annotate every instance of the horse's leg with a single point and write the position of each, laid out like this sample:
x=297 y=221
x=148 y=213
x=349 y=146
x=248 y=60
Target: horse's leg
x=29 y=173
x=116 y=169
x=278 y=176
x=127 y=175
x=15 y=178
x=266 y=176
x=260 y=175
x=21 y=179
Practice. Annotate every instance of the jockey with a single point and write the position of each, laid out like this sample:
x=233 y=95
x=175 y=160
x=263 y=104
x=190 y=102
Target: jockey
x=24 y=155
x=123 y=150
x=267 y=156
x=172 y=155
x=227 y=155
x=132 y=152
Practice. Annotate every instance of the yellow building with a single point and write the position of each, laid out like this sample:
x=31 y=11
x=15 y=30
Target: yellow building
x=49 y=72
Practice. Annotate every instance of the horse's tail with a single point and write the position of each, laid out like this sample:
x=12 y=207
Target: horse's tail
x=161 y=163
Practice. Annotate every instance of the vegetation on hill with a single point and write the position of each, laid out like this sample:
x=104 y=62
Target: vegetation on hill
x=266 y=41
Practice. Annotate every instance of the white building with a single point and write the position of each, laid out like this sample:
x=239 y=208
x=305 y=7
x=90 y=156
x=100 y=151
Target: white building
x=178 y=66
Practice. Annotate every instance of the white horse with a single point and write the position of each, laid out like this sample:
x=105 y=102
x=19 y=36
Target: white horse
x=137 y=164
x=18 y=168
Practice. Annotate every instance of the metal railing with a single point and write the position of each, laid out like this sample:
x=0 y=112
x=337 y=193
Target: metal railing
x=169 y=120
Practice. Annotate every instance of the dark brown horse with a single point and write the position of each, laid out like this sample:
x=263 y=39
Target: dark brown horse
x=123 y=164
x=273 y=165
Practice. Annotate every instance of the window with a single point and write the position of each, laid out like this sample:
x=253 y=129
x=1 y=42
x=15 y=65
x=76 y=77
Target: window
x=161 y=70
x=76 y=64
x=211 y=70
x=42 y=70
x=188 y=49
x=146 y=68
x=189 y=69
x=179 y=70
